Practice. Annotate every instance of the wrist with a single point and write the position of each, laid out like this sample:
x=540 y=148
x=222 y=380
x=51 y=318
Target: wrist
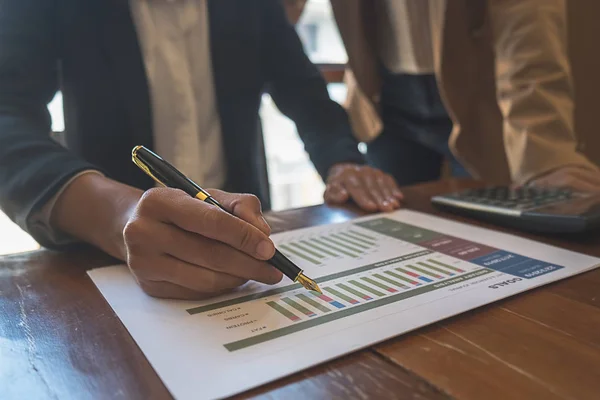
x=95 y=209
x=340 y=167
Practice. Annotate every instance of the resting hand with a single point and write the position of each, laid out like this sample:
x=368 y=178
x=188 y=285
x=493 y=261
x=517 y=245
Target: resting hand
x=181 y=247
x=372 y=189
x=576 y=178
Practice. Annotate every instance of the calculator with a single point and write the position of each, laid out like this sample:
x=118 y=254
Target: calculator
x=528 y=208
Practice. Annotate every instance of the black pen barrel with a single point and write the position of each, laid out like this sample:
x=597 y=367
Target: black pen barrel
x=283 y=264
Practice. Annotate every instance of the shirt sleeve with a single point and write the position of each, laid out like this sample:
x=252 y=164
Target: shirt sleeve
x=300 y=92
x=534 y=87
x=39 y=222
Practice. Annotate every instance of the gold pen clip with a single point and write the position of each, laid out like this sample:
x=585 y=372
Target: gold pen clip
x=143 y=166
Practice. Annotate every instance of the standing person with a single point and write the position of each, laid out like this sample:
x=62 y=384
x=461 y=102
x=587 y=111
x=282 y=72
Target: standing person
x=183 y=78
x=484 y=83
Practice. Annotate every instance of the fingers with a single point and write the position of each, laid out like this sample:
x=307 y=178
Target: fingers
x=201 y=280
x=590 y=177
x=369 y=179
x=578 y=179
x=370 y=188
x=336 y=194
x=149 y=240
x=355 y=186
x=179 y=247
x=244 y=206
x=385 y=187
x=176 y=207
x=391 y=183
x=219 y=257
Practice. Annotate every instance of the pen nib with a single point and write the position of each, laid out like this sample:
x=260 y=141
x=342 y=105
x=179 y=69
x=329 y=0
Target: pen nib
x=308 y=283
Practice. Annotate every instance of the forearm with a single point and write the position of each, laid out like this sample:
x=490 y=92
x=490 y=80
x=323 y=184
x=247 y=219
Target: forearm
x=95 y=209
x=356 y=20
x=300 y=93
x=534 y=86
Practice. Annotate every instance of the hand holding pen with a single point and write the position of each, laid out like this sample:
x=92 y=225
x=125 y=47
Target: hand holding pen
x=180 y=247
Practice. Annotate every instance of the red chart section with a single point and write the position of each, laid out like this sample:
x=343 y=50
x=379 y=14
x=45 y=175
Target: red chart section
x=475 y=253
x=459 y=248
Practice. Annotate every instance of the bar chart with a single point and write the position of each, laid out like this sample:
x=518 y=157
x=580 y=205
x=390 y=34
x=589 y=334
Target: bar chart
x=321 y=249
x=359 y=266
x=365 y=288
x=381 y=276
x=345 y=293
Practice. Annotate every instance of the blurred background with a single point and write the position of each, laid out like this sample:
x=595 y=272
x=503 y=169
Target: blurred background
x=294 y=181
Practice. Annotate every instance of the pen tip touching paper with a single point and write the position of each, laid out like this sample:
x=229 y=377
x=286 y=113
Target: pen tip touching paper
x=308 y=283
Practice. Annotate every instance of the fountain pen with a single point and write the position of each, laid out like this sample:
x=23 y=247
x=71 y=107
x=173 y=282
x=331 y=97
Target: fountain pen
x=167 y=175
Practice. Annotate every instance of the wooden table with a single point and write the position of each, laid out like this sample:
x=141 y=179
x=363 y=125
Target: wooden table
x=59 y=339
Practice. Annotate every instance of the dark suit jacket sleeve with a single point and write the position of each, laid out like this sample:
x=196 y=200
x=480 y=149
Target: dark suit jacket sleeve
x=300 y=92
x=32 y=166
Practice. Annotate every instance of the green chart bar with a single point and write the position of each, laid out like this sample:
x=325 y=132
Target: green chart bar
x=424 y=272
x=313 y=303
x=341 y=251
x=298 y=307
x=353 y=291
x=446 y=266
x=299 y=254
x=350 y=242
x=367 y=288
x=379 y=285
x=283 y=311
x=434 y=268
x=322 y=250
x=358 y=238
x=341 y=295
x=329 y=239
x=395 y=275
x=306 y=250
x=388 y=280
x=362 y=235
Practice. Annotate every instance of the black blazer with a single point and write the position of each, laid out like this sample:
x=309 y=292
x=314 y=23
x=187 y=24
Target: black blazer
x=89 y=50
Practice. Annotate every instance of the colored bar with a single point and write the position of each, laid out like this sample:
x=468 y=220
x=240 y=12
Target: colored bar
x=434 y=268
x=424 y=272
x=322 y=280
x=340 y=295
x=367 y=288
x=309 y=323
x=350 y=242
x=307 y=250
x=379 y=285
x=398 y=230
x=337 y=304
x=414 y=275
x=358 y=238
x=283 y=311
x=331 y=301
x=322 y=250
x=388 y=280
x=354 y=291
x=362 y=235
x=395 y=275
x=344 y=245
x=313 y=303
x=335 y=248
x=441 y=264
x=298 y=307
x=299 y=254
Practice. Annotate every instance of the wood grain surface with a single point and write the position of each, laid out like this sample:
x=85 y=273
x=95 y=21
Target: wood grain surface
x=59 y=339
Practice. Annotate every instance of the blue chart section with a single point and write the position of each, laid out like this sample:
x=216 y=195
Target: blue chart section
x=514 y=264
